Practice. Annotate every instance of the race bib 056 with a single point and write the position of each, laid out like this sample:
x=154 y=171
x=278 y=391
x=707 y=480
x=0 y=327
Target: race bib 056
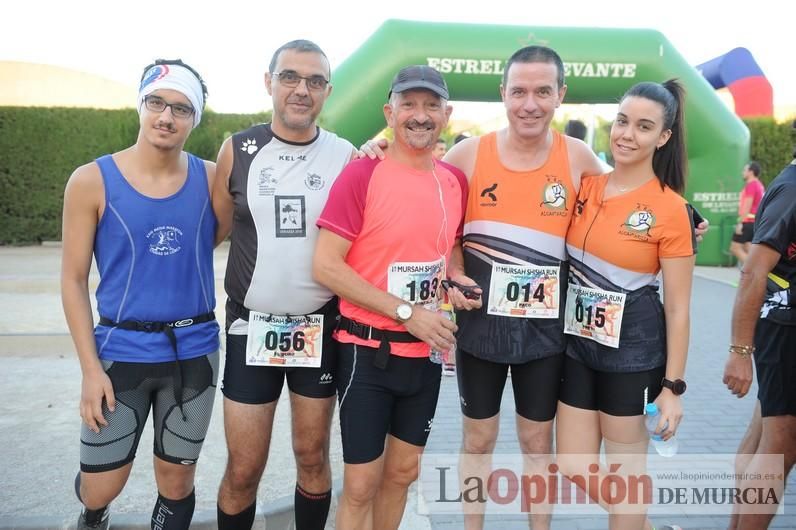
x=295 y=342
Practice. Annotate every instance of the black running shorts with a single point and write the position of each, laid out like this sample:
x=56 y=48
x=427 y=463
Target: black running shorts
x=536 y=384
x=257 y=385
x=775 y=362
x=400 y=400
x=746 y=235
x=614 y=393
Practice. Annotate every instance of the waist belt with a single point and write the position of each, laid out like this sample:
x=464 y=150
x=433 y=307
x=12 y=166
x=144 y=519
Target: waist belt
x=384 y=336
x=159 y=327
x=168 y=329
x=244 y=312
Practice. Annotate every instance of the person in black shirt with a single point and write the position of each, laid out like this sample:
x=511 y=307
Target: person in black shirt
x=764 y=328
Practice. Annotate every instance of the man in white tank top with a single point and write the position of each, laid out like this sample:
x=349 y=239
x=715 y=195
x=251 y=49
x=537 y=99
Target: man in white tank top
x=273 y=180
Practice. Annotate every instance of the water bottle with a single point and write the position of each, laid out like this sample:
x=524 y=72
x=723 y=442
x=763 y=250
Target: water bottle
x=441 y=357
x=665 y=448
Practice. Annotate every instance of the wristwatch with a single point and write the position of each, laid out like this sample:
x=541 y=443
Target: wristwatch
x=677 y=386
x=403 y=313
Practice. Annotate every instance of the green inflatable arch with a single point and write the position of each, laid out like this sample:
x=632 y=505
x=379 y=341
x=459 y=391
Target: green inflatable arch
x=600 y=64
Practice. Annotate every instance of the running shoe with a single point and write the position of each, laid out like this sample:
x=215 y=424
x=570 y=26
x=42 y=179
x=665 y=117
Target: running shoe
x=94 y=519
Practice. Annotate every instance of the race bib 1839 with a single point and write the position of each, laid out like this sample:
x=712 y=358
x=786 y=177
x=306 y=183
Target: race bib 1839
x=594 y=314
x=417 y=282
x=524 y=291
x=295 y=342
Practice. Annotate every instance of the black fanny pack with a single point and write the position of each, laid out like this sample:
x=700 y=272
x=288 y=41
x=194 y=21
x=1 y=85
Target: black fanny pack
x=168 y=329
x=384 y=336
x=159 y=327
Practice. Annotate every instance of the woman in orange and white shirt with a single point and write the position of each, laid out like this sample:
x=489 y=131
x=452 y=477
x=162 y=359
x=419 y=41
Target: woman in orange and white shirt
x=627 y=348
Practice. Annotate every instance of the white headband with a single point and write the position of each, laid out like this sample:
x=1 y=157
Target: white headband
x=173 y=77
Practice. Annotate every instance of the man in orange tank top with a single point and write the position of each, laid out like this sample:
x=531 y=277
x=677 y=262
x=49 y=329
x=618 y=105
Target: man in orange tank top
x=524 y=161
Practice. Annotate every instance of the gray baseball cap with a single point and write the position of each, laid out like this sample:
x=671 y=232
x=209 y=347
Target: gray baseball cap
x=419 y=76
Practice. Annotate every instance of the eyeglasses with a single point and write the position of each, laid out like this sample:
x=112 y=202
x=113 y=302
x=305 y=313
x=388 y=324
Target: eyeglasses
x=291 y=79
x=178 y=110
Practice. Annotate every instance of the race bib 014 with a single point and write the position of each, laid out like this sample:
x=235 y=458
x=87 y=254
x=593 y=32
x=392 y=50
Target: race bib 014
x=523 y=291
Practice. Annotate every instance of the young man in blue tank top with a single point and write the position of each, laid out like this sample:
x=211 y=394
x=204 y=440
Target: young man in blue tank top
x=144 y=213
x=273 y=181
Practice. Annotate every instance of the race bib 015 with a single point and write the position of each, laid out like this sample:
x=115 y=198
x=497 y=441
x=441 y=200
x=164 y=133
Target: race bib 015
x=594 y=314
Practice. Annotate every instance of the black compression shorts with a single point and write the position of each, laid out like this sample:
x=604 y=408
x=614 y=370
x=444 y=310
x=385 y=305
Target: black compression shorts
x=256 y=385
x=775 y=362
x=746 y=235
x=536 y=385
x=614 y=393
x=400 y=400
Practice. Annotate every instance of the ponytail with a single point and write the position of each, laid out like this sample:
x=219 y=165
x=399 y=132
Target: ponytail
x=670 y=161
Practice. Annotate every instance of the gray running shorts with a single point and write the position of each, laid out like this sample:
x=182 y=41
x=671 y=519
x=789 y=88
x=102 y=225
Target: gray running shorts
x=139 y=387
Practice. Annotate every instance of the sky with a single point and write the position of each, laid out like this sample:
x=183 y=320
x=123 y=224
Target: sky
x=230 y=43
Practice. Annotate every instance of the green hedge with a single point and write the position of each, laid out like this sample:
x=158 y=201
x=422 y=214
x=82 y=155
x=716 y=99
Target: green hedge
x=771 y=146
x=40 y=147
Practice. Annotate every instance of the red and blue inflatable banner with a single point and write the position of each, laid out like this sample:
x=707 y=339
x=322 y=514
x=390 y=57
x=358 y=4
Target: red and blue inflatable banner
x=738 y=71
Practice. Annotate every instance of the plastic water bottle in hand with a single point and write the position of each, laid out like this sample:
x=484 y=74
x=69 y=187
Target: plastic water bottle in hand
x=441 y=357
x=665 y=448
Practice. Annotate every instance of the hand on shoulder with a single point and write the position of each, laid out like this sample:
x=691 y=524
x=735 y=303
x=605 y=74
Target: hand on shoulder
x=463 y=155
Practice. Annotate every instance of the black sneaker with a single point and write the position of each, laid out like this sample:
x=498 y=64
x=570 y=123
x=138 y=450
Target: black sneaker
x=94 y=519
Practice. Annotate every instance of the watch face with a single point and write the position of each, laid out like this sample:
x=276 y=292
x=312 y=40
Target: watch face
x=404 y=311
x=677 y=386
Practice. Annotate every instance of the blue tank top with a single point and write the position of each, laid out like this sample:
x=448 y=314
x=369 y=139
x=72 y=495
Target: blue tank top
x=155 y=260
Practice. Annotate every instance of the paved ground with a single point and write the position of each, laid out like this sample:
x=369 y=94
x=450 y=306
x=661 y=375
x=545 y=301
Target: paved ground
x=40 y=425
x=40 y=387
x=714 y=420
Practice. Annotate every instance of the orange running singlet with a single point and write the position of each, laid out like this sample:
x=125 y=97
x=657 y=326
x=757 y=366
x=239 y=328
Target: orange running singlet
x=517 y=219
x=615 y=245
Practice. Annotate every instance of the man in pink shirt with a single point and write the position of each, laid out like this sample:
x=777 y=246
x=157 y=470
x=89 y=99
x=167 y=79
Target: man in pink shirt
x=751 y=195
x=386 y=236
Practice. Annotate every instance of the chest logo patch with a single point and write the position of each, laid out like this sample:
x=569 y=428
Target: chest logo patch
x=314 y=181
x=291 y=216
x=164 y=240
x=640 y=221
x=489 y=192
x=249 y=145
x=554 y=194
x=266 y=182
